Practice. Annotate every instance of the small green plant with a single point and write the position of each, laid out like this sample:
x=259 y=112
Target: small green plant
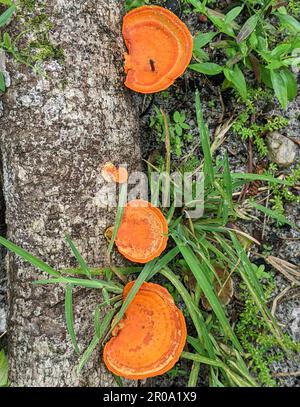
x=178 y=128
x=255 y=337
x=249 y=47
x=34 y=51
x=283 y=194
x=248 y=126
x=131 y=4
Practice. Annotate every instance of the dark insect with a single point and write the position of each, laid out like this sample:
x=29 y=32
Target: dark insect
x=202 y=18
x=152 y=64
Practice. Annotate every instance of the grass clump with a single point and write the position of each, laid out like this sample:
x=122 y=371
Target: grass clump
x=255 y=337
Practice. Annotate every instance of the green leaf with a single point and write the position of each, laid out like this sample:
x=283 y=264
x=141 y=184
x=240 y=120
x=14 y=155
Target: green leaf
x=280 y=50
x=7 y=15
x=291 y=83
x=200 y=55
x=289 y=22
x=70 y=318
x=207 y=68
x=247 y=28
x=177 y=117
x=3 y=369
x=203 y=39
x=79 y=258
x=178 y=129
x=232 y=14
x=236 y=77
x=28 y=257
x=280 y=89
x=2 y=83
x=7 y=41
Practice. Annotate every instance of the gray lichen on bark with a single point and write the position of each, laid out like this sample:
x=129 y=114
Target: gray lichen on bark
x=55 y=133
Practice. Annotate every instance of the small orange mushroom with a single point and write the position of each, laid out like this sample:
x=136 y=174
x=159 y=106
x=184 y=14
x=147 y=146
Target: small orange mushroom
x=142 y=235
x=151 y=336
x=159 y=47
x=113 y=174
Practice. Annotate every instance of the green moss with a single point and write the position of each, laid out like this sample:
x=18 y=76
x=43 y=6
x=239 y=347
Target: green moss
x=254 y=335
x=250 y=128
x=283 y=193
x=31 y=44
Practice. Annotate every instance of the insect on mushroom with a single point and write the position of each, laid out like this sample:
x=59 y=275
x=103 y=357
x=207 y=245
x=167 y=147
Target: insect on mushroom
x=149 y=339
x=159 y=48
x=143 y=232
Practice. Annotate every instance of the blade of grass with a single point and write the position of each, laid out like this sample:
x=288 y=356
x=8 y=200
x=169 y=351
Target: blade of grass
x=70 y=317
x=194 y=374
x=119 y=216
x=96 y=339
x=28 y=257
x=78 y=257
x=204 y=136
x=258 y=177
x=100 y=271
x=205 y=285
x=194 y=312
x=201 y=359
x=83 y=283
x=275 y=215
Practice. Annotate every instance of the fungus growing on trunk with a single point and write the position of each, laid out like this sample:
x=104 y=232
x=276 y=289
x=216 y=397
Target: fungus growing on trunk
x=142 y=235
x=149 y=339
x=113 y=174
x=159 y=47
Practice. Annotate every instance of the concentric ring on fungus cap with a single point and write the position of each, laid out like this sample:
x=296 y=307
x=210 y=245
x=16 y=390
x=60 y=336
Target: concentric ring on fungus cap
x=151 y=336
x=142 y=235
x=159 y=47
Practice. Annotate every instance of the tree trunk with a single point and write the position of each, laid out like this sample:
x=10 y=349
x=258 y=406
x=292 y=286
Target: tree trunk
x=56 y=132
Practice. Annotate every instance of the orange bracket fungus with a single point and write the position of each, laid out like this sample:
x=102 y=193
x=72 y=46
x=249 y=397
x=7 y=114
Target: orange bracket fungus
x=142 y=235
x=159 y=47
x=113 y=174
x=149 y=339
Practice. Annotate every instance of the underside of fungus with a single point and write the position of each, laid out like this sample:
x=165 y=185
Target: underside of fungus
x=142 y=235
x=149 y=339
x=159 y=48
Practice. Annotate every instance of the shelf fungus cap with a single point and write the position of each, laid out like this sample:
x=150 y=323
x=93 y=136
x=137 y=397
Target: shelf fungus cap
x=150 y=337
x=143 y=232
x=113 y=174
x=159 y=48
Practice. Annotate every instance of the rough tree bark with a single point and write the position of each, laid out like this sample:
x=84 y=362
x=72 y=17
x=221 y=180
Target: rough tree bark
x=55 y=133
